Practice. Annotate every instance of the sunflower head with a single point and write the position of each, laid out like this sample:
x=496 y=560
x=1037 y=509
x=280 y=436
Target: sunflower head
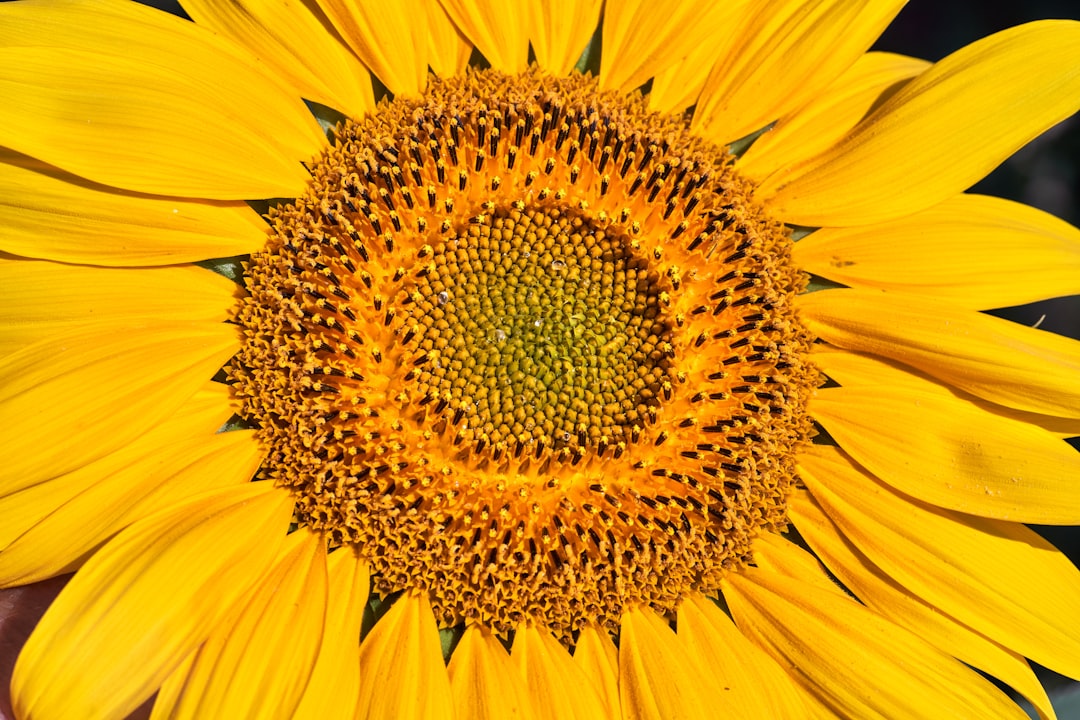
x=531 y=348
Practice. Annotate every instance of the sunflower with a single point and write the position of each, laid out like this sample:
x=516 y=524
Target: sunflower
x=644 y=382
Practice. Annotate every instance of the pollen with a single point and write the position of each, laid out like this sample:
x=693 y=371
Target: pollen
x=531 y=348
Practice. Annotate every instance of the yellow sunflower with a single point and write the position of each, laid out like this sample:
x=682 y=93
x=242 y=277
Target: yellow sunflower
x=521 y=406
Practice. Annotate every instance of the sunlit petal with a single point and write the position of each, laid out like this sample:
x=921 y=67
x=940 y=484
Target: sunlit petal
x=104 y=89
x=146 y=601
x=947 y=127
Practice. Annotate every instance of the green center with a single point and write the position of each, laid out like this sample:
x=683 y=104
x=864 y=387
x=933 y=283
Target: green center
x=544 y=330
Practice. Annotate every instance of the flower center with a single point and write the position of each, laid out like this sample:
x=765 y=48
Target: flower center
x=531 y=348
x=541 y=330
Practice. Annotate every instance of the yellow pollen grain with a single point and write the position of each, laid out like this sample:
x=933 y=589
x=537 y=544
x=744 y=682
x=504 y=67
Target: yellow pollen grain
x=531 y=348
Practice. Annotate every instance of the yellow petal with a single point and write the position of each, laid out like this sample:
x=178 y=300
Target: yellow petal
x=62 y=540
x=856 y=662
x=941 y=133
x=554 y=686
x=295 y=46
x=894 y=602
x=145 y=602
x=999 y=578
x=497 y=28
x=641 y=38
x=656 y=678
x=596 y=658
x=484 y=683
x=952 y=453
x=852 y=369
x=995 y=359
x=974 y=251
x=118 y=93
x=335 y=680
x=559 y=30
x=787 y=53
x=170 y=691
x=448 y=50
x=210 y=407
x=23 y=509
x=200 y=416
x=780 y=556
x=389 y=37
x=49 y=214
x=742 y=681
x=830 y=115
x=678 y=86
x=39 y=299
x=556 y=30
x=257 y=664
x=402 y=675
x=79 y=395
